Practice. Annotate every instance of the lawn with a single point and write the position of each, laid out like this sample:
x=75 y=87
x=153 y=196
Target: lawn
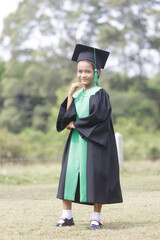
x=29 y=208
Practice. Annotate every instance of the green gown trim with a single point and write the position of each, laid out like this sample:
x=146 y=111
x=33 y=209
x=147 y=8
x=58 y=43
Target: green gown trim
x=77 y=158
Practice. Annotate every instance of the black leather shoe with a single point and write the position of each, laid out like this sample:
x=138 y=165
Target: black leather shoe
x=94 y=226
x=66 y=222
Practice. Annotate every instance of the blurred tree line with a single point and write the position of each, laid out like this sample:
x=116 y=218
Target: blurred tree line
x=41 y=35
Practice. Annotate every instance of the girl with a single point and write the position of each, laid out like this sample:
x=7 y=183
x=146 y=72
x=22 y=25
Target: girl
x=90 y=170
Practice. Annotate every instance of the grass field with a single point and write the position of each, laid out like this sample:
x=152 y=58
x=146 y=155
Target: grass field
x=28 y=205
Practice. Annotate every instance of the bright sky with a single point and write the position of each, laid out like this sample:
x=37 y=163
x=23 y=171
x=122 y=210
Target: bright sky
x=6 y=7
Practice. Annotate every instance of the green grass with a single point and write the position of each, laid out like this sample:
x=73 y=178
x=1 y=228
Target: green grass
x=28 y=205
x=30 y=174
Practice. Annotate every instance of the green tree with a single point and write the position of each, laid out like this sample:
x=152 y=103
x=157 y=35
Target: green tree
x=153 y=93
x=126 y=27
x=2 y=70
x=41 y=35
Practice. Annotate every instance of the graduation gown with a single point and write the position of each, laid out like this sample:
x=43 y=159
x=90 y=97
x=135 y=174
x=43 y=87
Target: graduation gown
x=90 y=169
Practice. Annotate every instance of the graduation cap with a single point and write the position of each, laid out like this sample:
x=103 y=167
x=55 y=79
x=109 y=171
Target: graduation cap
x=95 y=55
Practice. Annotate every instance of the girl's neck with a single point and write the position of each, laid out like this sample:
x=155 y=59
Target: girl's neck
x=85 y=88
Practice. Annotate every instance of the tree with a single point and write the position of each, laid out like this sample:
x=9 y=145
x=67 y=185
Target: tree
x=2 y=70
x=41 y=35
x=126 y=28
x=153 y=93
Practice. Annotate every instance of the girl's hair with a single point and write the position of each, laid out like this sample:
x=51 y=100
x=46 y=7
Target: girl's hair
x=93 y=66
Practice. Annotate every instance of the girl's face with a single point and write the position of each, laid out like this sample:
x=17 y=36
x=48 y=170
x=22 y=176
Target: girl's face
x=85 y=74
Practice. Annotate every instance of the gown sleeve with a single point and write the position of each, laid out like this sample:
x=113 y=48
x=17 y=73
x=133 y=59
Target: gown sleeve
x=65 y=116
x=95 y=128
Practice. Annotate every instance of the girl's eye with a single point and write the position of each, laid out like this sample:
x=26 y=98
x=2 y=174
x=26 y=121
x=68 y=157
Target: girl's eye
x=80 y=71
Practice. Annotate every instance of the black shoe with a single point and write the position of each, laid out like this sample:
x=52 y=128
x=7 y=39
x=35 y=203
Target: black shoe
x=66 y=222
x=94 y=226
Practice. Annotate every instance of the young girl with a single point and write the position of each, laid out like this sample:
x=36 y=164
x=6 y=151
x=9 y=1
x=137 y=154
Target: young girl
x=90 y=170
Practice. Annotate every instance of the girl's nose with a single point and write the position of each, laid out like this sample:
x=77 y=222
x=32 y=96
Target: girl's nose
x=83 y=74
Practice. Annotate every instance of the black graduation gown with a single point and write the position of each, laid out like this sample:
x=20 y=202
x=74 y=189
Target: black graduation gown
x=103 y=184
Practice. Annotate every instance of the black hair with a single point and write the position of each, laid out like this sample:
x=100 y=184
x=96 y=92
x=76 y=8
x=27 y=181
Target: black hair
x=93 y=66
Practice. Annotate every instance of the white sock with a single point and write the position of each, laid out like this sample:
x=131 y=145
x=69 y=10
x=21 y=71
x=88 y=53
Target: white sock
x=96 y=216
x=67 y=214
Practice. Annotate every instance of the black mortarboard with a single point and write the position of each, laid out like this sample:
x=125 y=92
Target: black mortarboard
x=95 y=55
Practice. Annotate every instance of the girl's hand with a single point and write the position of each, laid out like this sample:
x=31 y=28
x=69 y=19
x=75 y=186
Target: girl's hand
x=70 y=126
x=74 y=87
